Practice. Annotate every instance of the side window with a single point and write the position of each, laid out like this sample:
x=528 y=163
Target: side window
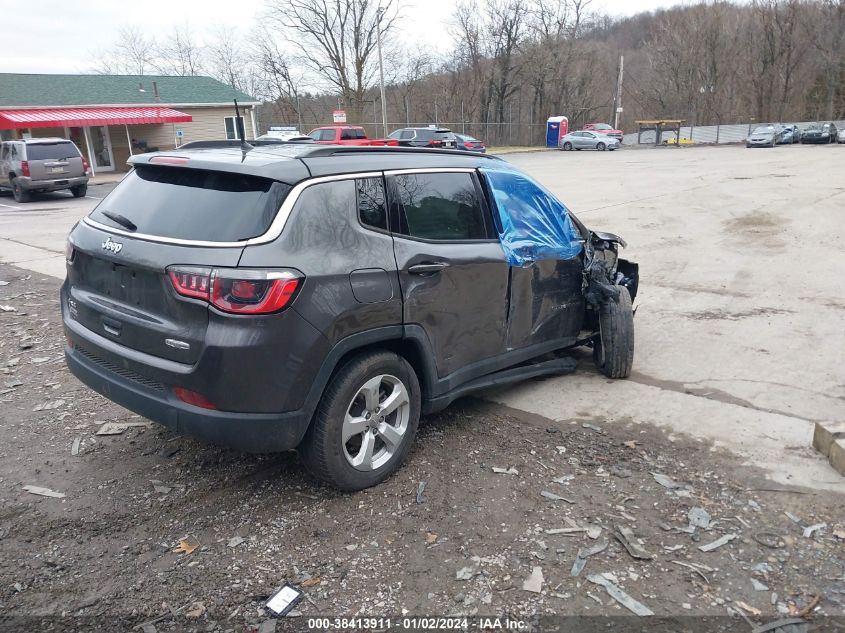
x=372 y=209
x=4 y=152
x=14 y=155
x=406 y=135
x=231 y=128
x=532 y=223
x=347 y=135
x=442 y=206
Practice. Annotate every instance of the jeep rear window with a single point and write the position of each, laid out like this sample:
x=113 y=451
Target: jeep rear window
x=194 y=204
x=51 y=151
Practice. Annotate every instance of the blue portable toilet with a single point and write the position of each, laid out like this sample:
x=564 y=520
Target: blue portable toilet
x=556 y=128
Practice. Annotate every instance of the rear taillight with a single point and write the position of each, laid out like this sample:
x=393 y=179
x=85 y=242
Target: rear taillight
x=70 y=252
x=85 y=166
x=435 y=143
x=191 y=282
x=194 y=398
x=25 y=168
x=235 y=290
x=468 y=145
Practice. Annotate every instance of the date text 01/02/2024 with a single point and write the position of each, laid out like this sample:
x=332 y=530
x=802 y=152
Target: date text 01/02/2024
x=417 y=623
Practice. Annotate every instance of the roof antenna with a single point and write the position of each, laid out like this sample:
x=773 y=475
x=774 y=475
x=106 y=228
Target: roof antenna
x=239 y=125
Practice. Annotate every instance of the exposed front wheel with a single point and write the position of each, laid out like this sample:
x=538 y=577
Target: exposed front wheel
x=365 y=423
x=21 y=194
x=567 y=146
x=613 y=347
x=601 y=147
x=79 y=191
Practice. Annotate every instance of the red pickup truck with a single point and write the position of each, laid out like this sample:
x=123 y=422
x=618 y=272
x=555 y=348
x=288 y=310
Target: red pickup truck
x=604 y=128
x=346 y=135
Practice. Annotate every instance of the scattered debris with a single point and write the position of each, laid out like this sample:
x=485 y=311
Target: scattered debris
x=534 y=583
x=563 y=480
x=792 y=517
x=44 y=492
x=808 y=531
x=620 y=596
x=235 y=541
x=420 y=490
x=74 y=449
x=796 y=625
x=196 y=610
x=566 y=530
x=6 y=308
x=505 y=471
x=186 y=545
x=554 y=497
x=592 y=427
x=618 y=471
x=693 y=567
x=465 y=573
x=49 y=405
x=748 y=608
x=148 y=628
x=709 y=547
x=758 y=586
x=313 y=581
x=162 y=490
x=800 y=613
x=699 y=517
x=593 y=531
x=771 y=540
x=584 y=554
x=268 y=626
x=39 y=359
x=117 y=428
x=430 y=538
x=625 y=536
x=284 y=600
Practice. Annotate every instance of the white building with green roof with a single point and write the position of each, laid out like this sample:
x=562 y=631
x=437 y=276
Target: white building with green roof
x=111 y=117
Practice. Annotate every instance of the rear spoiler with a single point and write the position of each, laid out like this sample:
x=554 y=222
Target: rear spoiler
x=236 y=143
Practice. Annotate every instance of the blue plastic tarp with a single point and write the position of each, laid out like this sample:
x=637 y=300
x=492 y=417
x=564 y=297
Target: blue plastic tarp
x=532 y=223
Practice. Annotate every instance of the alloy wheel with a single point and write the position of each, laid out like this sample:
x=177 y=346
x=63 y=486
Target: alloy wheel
x=375 y=422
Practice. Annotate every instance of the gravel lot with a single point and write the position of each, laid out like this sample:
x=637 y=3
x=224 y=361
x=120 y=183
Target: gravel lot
x=740 y=346
x=103 y=555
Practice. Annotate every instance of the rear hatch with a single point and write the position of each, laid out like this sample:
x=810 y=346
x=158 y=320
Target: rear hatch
x=158 y=218
x=54 y=160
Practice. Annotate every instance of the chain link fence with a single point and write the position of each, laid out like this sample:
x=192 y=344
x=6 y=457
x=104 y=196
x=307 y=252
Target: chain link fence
x=708 y=134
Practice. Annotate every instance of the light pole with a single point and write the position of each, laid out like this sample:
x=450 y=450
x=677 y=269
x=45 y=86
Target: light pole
x=381 y=72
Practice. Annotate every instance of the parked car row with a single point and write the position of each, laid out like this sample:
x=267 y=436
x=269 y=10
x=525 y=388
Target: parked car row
x=778 y=134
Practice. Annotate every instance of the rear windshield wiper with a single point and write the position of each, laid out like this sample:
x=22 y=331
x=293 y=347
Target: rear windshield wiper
x=122 y=221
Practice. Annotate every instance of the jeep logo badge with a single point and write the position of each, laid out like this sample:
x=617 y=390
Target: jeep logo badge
x=114 y=247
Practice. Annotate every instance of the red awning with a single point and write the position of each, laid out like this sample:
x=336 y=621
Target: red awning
x=74 y=117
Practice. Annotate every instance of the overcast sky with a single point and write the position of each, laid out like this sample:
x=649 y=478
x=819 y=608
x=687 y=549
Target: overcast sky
x=62 y=37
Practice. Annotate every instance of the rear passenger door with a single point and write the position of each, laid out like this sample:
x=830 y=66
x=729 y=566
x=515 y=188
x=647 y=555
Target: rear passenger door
x=452 y=269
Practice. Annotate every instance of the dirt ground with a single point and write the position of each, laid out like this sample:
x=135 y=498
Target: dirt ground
x=102 y=557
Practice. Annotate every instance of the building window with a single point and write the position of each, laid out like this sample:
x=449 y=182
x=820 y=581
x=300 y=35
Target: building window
x=231 y=128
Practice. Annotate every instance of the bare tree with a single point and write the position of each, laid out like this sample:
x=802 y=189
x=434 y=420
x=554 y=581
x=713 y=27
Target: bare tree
x=134 y=53
x=179 y=54
x=337 y=40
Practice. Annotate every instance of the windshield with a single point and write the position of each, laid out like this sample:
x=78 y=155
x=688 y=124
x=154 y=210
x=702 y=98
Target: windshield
x=602 y=126
x=47 y=151
x=193 y=204
x=764 y=130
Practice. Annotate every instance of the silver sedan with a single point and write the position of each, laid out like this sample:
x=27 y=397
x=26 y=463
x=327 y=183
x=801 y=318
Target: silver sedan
x=585 y=139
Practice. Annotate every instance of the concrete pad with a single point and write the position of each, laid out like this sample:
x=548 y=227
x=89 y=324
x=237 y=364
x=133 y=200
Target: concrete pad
x=825 y=434
x=837 y=456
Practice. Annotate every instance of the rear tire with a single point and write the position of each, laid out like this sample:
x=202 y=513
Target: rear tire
x=386 y=378
x=601 y=147
x=613 y=347
x=567 y=147
x=21 y=195
x=79 y=191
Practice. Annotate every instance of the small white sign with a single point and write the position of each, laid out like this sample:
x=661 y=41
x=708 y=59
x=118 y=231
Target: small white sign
x=339 y=116
x=179 y=133
x=284 y=600
x=619 y=109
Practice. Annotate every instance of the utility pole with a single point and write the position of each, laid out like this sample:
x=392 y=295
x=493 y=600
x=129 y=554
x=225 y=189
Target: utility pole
x=617 y=103
x=381 y=73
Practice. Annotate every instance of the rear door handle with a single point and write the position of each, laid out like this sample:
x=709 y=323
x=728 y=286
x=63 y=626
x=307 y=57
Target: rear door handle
x=427 y=269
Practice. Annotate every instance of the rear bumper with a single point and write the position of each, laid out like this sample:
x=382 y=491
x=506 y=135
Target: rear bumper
x=251 y=432
x=815 y=139
x=28 y=184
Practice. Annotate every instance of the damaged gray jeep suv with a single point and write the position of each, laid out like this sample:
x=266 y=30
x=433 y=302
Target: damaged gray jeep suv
x=323 y=298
